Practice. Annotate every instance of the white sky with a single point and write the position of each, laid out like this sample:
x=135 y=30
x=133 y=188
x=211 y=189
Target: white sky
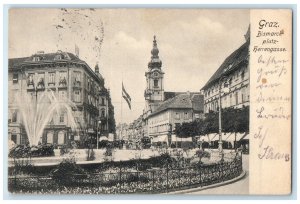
x=192 y=44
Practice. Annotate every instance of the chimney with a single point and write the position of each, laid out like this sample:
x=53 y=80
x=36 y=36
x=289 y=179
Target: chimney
x=97 y=69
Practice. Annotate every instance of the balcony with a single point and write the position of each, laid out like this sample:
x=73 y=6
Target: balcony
x=62 y=83
x=77 y=83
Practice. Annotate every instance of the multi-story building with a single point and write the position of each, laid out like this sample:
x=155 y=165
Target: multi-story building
x=122 y=131
x=164 y=109
x=232 y=76
x=182 y=108
x=67 y=77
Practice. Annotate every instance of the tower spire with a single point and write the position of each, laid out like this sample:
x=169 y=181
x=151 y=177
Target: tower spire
x=155 y=61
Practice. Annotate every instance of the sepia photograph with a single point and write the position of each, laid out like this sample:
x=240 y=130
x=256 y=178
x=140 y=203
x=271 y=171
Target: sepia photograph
x=143 y=101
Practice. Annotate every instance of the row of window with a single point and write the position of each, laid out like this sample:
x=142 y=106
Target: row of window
x=60 y=137
x=178 y=115
x=159 y=128
x=229 y=100
x=32 y=78
x=14 y=118
x=163 y=117
x=238 y=75
x=159 y=118
x=19 y=139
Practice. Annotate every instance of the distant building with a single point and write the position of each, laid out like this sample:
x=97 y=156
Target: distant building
x=234 y=73
x=68 y=77
x=165 y=109
x=135 y=132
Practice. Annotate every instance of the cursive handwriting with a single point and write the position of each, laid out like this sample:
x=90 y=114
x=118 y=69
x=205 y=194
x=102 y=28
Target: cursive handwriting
x=271 y=60
x=274 y=98
x=268 y=152
x=277 y=71
x=261 y=136
x=277 y=114
x=268 y=86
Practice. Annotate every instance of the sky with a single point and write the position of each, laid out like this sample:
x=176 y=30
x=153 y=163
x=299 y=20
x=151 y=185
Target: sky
x=192 y=44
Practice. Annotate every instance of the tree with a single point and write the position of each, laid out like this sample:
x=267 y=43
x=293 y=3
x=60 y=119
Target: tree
x=233 y=120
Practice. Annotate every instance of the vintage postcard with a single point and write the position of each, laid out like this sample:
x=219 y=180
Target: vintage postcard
x=149 y=101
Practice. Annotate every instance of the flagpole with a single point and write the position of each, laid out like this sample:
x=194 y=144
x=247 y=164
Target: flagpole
x=122 y=109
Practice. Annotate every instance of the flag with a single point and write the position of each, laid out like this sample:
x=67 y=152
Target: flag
x=126 y=96
x=76 y=50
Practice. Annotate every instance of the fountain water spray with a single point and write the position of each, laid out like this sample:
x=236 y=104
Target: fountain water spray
x=37 y=113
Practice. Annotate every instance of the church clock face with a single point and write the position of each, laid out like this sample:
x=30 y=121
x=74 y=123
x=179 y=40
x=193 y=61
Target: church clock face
x=155 y=74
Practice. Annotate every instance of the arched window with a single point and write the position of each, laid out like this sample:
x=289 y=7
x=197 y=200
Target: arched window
x=15 y=116
x=50 y=137
x=61 y=137
x=102 y=112
x=243 y=75
x=155 y=83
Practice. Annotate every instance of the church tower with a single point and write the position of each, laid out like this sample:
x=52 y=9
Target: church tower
x=154 y=93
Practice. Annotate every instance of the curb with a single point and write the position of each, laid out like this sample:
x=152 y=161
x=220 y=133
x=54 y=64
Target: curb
x=243 y=174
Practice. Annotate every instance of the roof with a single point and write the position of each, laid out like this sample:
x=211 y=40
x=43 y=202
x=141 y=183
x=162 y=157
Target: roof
x=185 y=100
x=170 y=94
x=231 y=63
x=14 y=63
x=198 y=102
x=45 y=57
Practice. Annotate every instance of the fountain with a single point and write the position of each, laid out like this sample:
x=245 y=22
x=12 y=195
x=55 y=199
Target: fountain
x=38 y=111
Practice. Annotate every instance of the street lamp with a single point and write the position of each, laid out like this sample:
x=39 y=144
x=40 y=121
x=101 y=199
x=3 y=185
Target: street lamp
x=169 y=135
x=98 y=124
x=220 y=114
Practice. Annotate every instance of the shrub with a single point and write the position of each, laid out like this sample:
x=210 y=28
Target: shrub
x=202 y=154
x=20 y=151
x=23 y=151
x=137 y=178
x=68 y=172
x=63 y=150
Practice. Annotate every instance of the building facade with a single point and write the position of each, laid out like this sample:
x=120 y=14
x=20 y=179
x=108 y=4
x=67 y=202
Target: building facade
x=183 y=108
x=68 y=78
x=231 y=79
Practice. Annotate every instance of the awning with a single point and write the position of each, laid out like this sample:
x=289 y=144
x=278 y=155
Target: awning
x=239 y=136
x=245 y=137
x=181 y=139
x=230 y=137
x=213 y=137
x=204 y=138
x=103 y=138
x=236 y=137
x=160 y=138
x=110 y=137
